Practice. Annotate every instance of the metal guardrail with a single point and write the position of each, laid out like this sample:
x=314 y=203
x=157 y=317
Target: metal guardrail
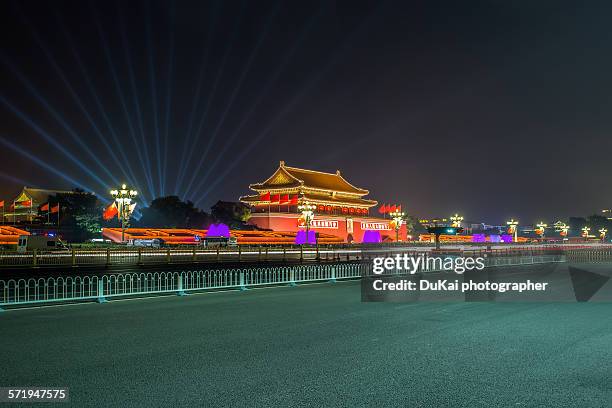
x=148 y=256
x=19 y=292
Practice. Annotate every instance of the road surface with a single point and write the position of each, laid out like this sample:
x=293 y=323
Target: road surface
x=314 y=345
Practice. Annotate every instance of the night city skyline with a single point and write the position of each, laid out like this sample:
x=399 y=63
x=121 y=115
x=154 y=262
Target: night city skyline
x=494 y=110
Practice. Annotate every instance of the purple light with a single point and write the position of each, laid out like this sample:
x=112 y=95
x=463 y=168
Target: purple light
x=494 y=238
x=507 y=238
x=300 y=237
x=371 y=237
x=478 y=238
x=218 y=230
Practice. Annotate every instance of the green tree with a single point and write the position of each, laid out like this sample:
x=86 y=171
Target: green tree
x=171 y=212
x=81 y=212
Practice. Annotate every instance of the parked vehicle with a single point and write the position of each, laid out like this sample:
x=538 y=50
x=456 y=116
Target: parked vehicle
x=40 y=242
x=147 y=243
x=214 y=242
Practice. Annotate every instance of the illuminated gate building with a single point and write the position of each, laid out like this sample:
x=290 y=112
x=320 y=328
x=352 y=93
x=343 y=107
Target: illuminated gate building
x=340 y=207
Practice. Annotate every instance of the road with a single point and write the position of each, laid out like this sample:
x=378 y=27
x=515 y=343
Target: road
x=313 y=345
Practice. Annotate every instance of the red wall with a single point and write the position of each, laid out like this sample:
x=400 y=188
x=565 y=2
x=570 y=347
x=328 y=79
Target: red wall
x=289 y=222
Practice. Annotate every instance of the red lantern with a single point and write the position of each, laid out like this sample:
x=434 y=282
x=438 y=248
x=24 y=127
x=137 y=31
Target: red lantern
x=344 y=210
x=328 y=208
x=352 y=210
x=321 y=207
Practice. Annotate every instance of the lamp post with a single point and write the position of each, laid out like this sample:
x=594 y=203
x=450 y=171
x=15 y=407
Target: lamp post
x=307 y=210
x=563 y=229
x=123 y=197
x=398 y=218
x=541 y=229
x=456 y=221
x=585 y=232
x=513 y=228
x=602 y=234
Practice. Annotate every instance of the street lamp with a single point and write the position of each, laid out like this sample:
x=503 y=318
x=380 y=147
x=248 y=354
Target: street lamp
x=602 y=234
x=585 y=232
x=307 y=210
x=513 y=228
x=456 y=221
x=563 y=229
x=123 y=198
x=541 y=227
x=398 y=218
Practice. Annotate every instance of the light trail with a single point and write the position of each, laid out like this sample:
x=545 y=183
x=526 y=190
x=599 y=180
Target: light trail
x=168 y=94
x=220 y=72
x=116 y=83
x=132 y=179
x=151 y=58
x=279 y=69
x=56 y=115
x=49 y=138
x=46 y=166
x=132 y=79
x=183 y=165
x=237 y=87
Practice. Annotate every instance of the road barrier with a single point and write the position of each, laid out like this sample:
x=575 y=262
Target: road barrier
x=32 y=291
x=253 y=254
x=590 y=255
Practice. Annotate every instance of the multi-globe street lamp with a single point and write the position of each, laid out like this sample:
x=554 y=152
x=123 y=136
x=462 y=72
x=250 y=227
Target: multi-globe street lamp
x=398 y=219
x=563 y=229
x=585 y=232
x=307 y=211
x=602 y=234
x=541 y=229
x=513 y=228
x=456 y=221
x=123 y=198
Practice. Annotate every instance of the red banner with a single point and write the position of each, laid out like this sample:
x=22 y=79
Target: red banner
x=294 y=200
x=284 y=199
x=275 y=198
x=265 y=197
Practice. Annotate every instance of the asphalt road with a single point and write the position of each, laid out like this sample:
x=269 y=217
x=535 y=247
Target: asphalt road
x=314 y=345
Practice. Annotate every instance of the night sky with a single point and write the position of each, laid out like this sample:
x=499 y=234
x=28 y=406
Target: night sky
x=492 y=109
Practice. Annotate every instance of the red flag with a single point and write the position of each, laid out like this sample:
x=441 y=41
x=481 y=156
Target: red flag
x=392 y=208
x=382 y=210
x=294 y=200
x=44 y=207
x=2 y=203
x=399 y=208
x=110 y=212
x=275 y=198
x=265 y=197
x=284 y=199
x=55 y=209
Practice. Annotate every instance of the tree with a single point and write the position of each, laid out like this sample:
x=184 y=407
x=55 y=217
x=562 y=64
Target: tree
x=233 y=214
x=171 y=212
x=80 y=211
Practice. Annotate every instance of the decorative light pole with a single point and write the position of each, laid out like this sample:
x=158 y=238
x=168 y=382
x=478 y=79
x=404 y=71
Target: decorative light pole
x=585 y=232
x=541 y=229
x=513 y=228
x=602 y=234
x=398 y=219
x=563 y=229
x=307 y=210
x=123 y=198
x=456 y=221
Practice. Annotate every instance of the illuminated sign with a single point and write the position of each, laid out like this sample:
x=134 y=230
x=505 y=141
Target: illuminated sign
x=323 y=224
x=375 y=226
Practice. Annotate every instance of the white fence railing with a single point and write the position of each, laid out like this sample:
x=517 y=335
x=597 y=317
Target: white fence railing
x=14 y=292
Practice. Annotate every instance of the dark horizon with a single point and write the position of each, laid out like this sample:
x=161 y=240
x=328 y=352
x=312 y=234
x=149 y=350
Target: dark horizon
x=489 y=109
